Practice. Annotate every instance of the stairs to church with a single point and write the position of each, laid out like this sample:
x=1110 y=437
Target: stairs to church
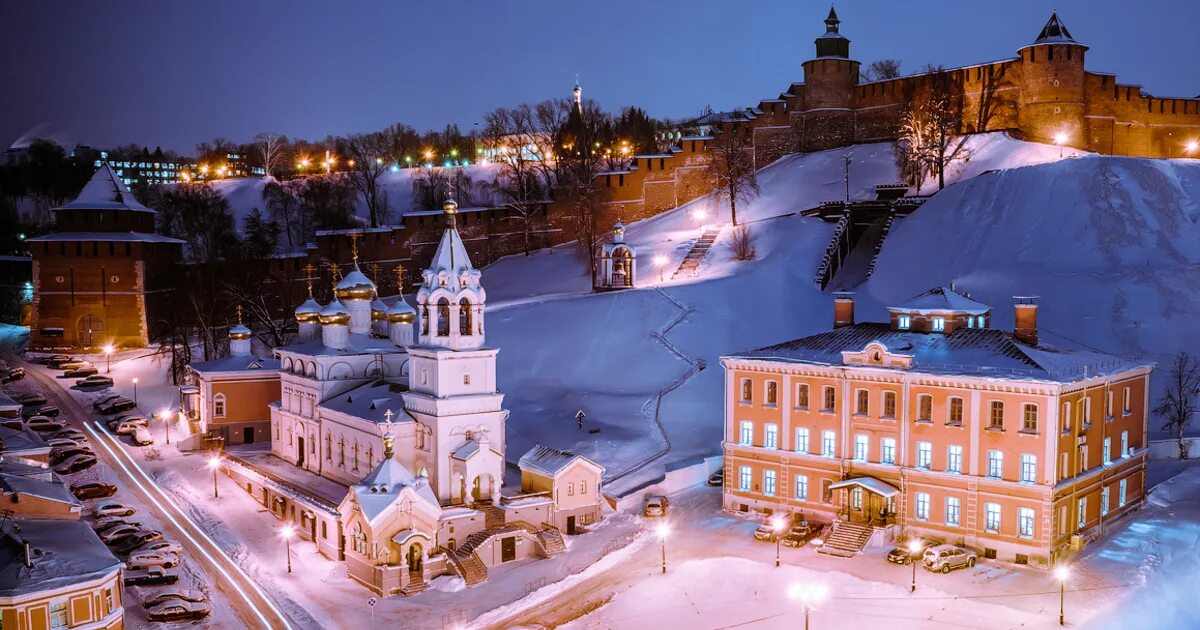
x=468 y=565
x=416 y=584
x=847 y=539
x=696 y=254
x=492 y=515
x=552 y=541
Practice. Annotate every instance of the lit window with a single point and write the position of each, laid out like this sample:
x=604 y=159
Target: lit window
x=954 y=459
x=995 y=464
x=903 y=322
x=924 y=454
x=747 y=436
x=802 y=440
x=1125 y=444
x=923 y=506
x=939 y=324
x=1025 y=522
x=802 y=487
x=856 y=498
x=744 y=478
x=952 y=506
x=771 y=436
x=992 y=517
x=1029 y=468
x=1104 y=501
x=1108 y=450
x=888 y=446
x=827 y=443
x=860 y=448
x=1081 y=522
x=769 y=483
x=58 y=615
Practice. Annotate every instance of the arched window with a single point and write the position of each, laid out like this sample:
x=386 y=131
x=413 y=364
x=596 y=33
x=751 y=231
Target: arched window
x=358 y=540
x=425 y=320
x=328 y=446
x=219 y=406
x=443 y=329
x=464 y=316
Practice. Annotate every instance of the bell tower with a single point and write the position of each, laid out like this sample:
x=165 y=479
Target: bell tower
x=450 y=299
x=829 y=82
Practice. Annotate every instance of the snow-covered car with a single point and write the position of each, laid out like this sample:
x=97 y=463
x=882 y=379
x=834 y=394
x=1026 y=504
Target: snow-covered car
x=152 y=575
x=60 y=454
x=62 y=441
x=113 y=509
x=93 y=490
x=161 y=546
x=15 y=374
x=116 y=405
x=147 y=559
x=177 y=610
x=766 y=531
x=71 y=433
x=800 y=534
x=135 y=540
x=105 y=399
x=50 y=411
x=141 y=436
x=44 y=424
x=129 y=425
x=717 y=478
x=74 y=364
x=174 y=594
x=95 y=380
x=30 y=399
x=946 y=558
x=56 y=360
x=117 y=532
x=75 y=463
x=655 y=505
x=105 y=523
x=81 y=372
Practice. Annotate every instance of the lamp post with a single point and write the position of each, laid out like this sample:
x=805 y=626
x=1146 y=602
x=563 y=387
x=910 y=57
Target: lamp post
x=286 y=534
x=807 y=595
x=1061 y=573
x=108 y=350
x=699 y=214
x=660 y=261
x=1060 y=139
x=663 y=530
x=214 y=463
x=1190 y=147
x=135 y=390
x=914 y=551
x=778 y=524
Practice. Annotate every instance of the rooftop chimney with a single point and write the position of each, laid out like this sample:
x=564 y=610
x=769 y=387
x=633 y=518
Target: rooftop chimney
x=1025 y=329
x=843 y=309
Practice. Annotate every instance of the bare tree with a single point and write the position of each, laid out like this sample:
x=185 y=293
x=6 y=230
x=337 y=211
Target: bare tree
x=369 y=154
x=881 y=69
x=523 y=153
x=271 y=149
x=928 y=128
x=1178 y=403
x=283 y=206
x=732 y=164
x=742 y=243
x=991 y=99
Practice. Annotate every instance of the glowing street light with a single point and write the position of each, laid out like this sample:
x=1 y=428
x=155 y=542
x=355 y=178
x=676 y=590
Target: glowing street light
x=1061 y=573
x=286 y=534
x=914 y=552
x=1191 y=146
x=660 y=261
x=1060 y=139
x=778 y=524
x=165 y=414
x=214 y=463
x=663 y=530
x=808 y=595
x=108 y=350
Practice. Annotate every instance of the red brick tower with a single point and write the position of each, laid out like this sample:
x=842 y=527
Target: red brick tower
x=1052 y=87
x=826 y=118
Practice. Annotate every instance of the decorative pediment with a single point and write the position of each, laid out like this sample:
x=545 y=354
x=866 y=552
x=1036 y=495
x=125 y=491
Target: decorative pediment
x=875 y=353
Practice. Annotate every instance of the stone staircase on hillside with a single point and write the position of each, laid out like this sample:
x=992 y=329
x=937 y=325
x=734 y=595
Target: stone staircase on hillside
x=552 y=541
x=492 y=515
x=468 y=566
x=416 y=584
x=847 y=539
x=696 y=254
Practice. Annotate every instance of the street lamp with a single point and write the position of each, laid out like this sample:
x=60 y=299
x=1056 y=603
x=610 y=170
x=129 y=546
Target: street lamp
x=1190 y=147
x=807 y=595
x=914 y=552
x=135 y=390
x=1061 y=573
x=699 y=214
x=214 y=463
x=165 y=414
x=663 y=530
x=1060 y=139
x=286 y=534
x=778 y=524
x=108 y=350
x=660 y=261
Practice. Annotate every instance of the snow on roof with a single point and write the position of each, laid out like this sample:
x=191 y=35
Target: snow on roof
x=7 y=403
x=120 y=237
x=548 y=460
x=105 y=191
x=451 y=255
x=986 y=352
x=236 y=364
x=370 y=401
x=942 y=299
x=1054 y=32
x=64 y=553
x=881 y=488
x=36 y=481
x=380 y=489
x=356 y=343
x=23 y=440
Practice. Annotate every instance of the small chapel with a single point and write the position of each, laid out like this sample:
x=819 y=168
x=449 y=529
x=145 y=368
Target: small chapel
x=618 y=262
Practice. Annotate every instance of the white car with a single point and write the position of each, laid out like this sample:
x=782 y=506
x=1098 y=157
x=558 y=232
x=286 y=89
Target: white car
x=142 y=437
x=178 y=610
x=655 y=505
x=107 y=522
x=174 y=594
x=147 y=559
x=127 y=427
x=113 y=534
x=114 y=509
x=161 y=546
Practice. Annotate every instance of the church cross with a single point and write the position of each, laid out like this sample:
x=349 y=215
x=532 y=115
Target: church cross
x=387 y=417
x=354 y=246
x=308 y=270
x=239 y=313
x=400 y=278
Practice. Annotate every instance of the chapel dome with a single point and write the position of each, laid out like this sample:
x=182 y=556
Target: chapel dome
x=378 y=310
x=355 y=286
x=401 y=312
x=309 y=312
x=239 y=332
x=335 y=314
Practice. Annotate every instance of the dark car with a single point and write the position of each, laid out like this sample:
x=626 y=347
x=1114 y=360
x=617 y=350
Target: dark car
x=14 y=374
x=117 y=406
x=800 y=534
x=75 y=463
x=30 y=399
x=93 y=490
x=51 y=411
x=104 y=400
x=717 y=478
x=178 y=610
x=81 y=372
x=133 y=541
x=59 y=454
x=153 y=575
x=900 y=555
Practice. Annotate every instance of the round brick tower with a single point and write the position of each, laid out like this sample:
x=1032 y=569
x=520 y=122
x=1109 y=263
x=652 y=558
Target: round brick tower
x=1051 y=107
x=829 y=82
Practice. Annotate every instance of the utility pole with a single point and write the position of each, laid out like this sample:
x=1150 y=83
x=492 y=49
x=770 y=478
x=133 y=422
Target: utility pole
x=847 y=156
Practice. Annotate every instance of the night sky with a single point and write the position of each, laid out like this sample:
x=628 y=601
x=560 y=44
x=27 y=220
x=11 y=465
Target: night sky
x=177 y=73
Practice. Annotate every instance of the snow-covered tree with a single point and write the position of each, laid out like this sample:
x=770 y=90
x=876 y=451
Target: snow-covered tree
x=1177 y=405
x=732 y=164
x=270 y=149
x=368 y=155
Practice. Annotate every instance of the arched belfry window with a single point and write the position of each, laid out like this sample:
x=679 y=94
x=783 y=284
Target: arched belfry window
x=443 y=323
x=464 y=316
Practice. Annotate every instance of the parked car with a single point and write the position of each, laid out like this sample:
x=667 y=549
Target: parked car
x=81 y=372
x=93 y=490
x=51 y=411
x=111 y=535
x=71 y=433
x=161 y=546
x=61 y=454
x=44 y=424
x=14 y=374
x=147 y=559
x=141 y=437
x=766 y=531
x=58 y=442
x=128 y=425
x=801 y=533
x=655 y=506
x=946 y=558
x=113 y=509
x=152 y=575
x=56 y=360
x=174 y=594
x=717 y=478
x=95 y=380
x=117 y=405
x=108 y=522
x=901 y=555
x=105 y=399
x=177 y=610
x=31 y=398
x=135 y=540
x=74 y=364
x=75 y=463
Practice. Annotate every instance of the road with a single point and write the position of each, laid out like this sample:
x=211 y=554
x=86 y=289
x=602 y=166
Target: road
x=252 y=606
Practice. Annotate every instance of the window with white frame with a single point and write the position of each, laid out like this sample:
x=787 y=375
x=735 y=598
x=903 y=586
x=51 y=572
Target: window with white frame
x=58 y=614
x=923 y=506
x=1125 y=397
x=829 y=395
x=772 y=394
x=828 y=443
x=924 y=455
x=769 y=483
x=952 y=506
x=1028 y=468
x=862 y=402
x=1124 y=444
x=903 y=322
x=1064 y=470
x=860 y=448
x=1025 y=522
x=1086 y=411
x=888 y=450
x=996 y=464
x=744 y=478
x=991 y=512
x=954 y=459
x=1104 y=501
x=771 y=436
x=1121 y=492
x=1066 y=417
x=1082 y=512
x=925 y=408
x=1029 y=422
x=939 y=324
x=856 y=498
x=219 y=406
x=1108 y=404
x=802 y=487
x=996 y=417
x=802 y=396
x=746 y=438
x=802 y=439
x=1108 y=450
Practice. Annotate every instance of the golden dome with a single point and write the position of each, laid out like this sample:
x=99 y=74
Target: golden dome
x=378 y=310
x=401 y=318
x=450 y=206
x=309 y=312
x=355 y=286
x=335 y=315
x=239 y=333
